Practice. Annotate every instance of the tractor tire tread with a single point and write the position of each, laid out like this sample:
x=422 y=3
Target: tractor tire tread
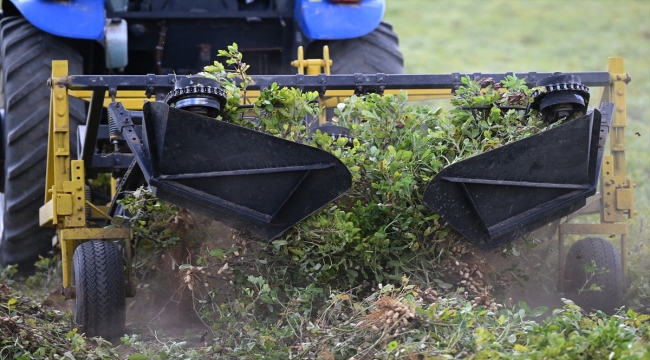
x=603 y=252
x=99 y=279
x=26 y=55
x=376 y=52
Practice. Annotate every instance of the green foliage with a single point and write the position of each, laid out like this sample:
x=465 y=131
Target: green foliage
x=342 y=327
x=149 y=218
x=381 y=224
x=7 y=274
x=345 y=326
x=159 y=350
x=280 y=112
x=46 y=275
x=638 y=291
x=102 y=184
x=32 y=330
x=155 y=227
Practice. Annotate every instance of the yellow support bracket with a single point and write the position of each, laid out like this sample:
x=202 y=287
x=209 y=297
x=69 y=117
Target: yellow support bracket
x=70 y=239
x=617 y=192
x=313 y=66
x=65 y=186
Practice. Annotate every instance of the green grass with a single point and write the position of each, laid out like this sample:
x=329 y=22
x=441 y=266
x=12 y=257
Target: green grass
x=470 y=36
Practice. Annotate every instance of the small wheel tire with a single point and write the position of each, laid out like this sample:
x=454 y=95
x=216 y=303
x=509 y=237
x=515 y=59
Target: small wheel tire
x=26 y=55
x=577 y=283
x=100 y=305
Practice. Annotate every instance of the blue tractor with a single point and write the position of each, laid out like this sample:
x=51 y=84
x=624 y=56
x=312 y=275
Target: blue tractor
x=151 y=37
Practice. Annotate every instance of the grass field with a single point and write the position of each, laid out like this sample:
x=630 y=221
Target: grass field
x=470 y=36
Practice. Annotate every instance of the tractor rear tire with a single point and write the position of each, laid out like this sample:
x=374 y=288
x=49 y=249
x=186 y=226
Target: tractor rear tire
x=377 y=52
x=100 y=306
x=26 y=55
x=608 y=275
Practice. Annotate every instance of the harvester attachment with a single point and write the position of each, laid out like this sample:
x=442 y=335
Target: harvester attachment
x=247 y=179
x=503 y=194
x=263 y=184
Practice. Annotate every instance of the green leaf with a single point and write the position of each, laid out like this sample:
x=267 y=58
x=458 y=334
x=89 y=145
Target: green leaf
x=297 y=251
x=595 y=287
x=137 y=356
x=11 y=303
x=520 y=348
x=590 y=267
x=392 y=345
x=218 y=253
x=538 y=311
x=353 y=273
x=524 y=306
x=279 y=243
x=631 y=314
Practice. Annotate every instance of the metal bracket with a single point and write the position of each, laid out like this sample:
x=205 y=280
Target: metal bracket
x=120 y=115
x=322 y=79
x=621 y=77
x=456 y=81
x=366 y=84
x=358 y=84
x=151 y=82
x=300 y=81
x=381 y=81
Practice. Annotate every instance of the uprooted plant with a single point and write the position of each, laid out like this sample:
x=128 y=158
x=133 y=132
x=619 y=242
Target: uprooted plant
x=380 y=229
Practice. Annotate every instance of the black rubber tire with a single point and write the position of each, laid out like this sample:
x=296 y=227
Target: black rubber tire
x=100 y=306
x=603 y=252
x=26 y=55
x=377 y=52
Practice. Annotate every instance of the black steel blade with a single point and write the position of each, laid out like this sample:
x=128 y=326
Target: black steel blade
x=244 y=178
x=498 y=196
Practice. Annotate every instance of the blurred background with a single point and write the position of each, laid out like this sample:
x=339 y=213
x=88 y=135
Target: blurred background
x=467 y=36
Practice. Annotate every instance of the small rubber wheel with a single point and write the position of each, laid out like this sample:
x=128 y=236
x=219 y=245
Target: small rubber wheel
x=100 y=305
x=607 y=275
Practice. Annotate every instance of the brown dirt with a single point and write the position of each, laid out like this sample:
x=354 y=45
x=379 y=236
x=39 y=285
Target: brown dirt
x=497 y=278
x=531 y=275
x=163 y=303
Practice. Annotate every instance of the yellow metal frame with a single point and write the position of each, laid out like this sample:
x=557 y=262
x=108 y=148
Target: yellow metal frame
x=616 y=190
x=65 y=195
x=134 y=100
x=65 y=198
